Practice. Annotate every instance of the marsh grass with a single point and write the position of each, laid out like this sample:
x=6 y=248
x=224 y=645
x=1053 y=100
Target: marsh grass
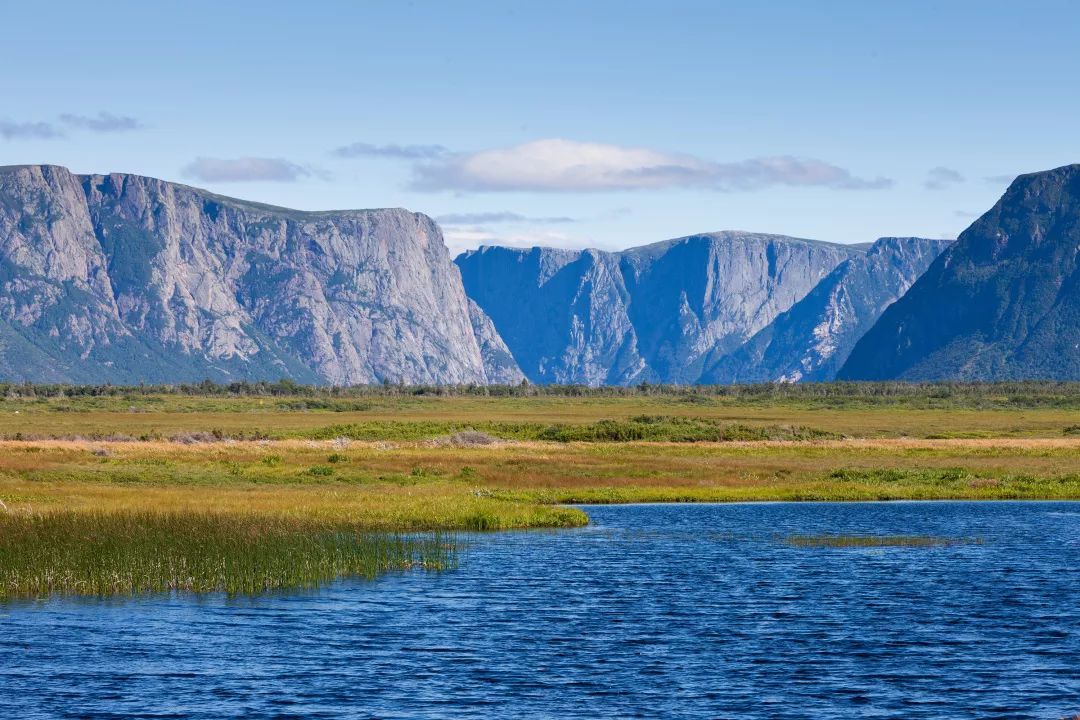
x=875 y=541
x=132 y=553
x=162 y=491
x=649 y=428
x=199 y=416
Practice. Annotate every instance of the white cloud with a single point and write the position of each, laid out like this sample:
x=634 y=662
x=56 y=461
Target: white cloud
x=499 y=217
x=103 y=122
x=940 y=178
x=558 y=165
x=460 y=239
x=400 y=152
x=11 y=130
x=245 y=169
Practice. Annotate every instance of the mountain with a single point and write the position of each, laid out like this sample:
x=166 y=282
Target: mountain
x=123 y=278
x=663 y=312
x=1001 y=303
x=812 y=340
x=561 y=313
x=500 y=368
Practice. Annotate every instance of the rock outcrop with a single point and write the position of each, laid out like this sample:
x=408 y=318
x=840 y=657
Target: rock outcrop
x=810 y=341
x=500 y=368
x=664 y=312
x=124 y=278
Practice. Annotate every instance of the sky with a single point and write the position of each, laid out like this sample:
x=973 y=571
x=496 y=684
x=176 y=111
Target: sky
x=573 y=124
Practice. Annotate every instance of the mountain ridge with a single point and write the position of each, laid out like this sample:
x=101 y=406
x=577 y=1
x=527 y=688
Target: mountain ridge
x=125 y=278
x=810 y=341
x=659 y=312
x=1003 y=303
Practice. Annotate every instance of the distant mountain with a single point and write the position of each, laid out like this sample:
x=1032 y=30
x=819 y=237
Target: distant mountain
x=122 y=278
x=561 y=313
x=500 y=368
x=812 y=340
x=1002 y=303
x=663 y=312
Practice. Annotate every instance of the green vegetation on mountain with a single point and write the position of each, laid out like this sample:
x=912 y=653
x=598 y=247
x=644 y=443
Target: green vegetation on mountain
x=1003 y=303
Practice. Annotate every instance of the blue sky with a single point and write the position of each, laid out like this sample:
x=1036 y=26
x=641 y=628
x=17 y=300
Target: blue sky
x=605 y=124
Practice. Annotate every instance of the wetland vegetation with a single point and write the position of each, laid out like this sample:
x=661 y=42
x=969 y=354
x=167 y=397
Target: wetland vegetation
x=257 y=487
x=106 y=552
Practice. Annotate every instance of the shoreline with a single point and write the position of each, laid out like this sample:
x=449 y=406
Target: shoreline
x=914 y=501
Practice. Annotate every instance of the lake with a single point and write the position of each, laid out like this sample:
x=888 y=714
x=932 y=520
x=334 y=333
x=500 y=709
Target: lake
x=652 y=611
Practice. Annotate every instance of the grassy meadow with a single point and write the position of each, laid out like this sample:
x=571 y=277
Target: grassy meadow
x=869 y=410
x=151 y=490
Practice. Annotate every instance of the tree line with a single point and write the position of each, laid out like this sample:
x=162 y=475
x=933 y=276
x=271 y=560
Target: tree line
x=997 y=391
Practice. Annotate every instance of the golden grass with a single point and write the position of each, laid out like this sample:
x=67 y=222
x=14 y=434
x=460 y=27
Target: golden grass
x=166 y=416
x=307 y=498
x=422 y=486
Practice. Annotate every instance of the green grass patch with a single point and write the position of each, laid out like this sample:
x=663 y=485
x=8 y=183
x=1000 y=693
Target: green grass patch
x=128 y=553
x=649 y=428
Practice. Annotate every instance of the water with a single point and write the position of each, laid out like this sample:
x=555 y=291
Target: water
x=654 y=611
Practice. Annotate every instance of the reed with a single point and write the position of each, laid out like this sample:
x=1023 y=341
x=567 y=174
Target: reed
x=131 y=553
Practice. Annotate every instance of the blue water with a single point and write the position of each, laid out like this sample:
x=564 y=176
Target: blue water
x=653 y=611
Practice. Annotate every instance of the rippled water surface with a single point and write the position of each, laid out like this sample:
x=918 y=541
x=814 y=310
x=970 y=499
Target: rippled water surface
x=655 y=611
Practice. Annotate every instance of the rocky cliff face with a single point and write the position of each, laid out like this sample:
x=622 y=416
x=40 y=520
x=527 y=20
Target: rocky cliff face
x=120 y=278
x=702 y=297
x=1003 y=302
x=810 y=341
x=124 y=278
x=500 y=368
x=561 y=313
x=665 y=312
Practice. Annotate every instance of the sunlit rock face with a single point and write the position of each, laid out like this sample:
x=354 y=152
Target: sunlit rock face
x=810 y=341
x=122 y=278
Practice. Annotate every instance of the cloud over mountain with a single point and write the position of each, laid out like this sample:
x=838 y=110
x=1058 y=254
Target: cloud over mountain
x=245 y=169
x=940 y=178
x=12 y=130
x=499 y=217
x=559 y=165
x=103 y=122
x=399 y=152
